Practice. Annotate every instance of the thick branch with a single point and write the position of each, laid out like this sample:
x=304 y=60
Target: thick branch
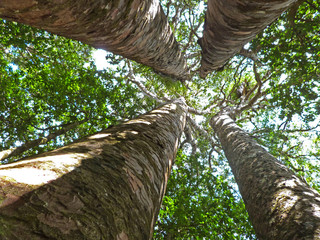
x=137 y=30
x=230 y=24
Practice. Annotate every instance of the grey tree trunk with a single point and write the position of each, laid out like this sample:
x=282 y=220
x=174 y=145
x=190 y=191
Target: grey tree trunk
x=135 y=29
x=280 y=205
x=106 y=186
x=230 y=24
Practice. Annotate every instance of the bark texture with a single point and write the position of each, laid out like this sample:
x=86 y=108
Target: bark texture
x=106 y=186
x=135 y=29
x=280 y=205
x=230 y=24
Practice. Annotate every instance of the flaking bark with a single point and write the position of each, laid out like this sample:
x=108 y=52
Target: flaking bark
x=230 y=24
x=107 y=186
x=280 y=205
x=135 y=29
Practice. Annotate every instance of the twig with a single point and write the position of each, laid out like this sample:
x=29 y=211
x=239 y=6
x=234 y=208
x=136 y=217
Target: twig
x=203 y=133
x=143 y=89
x=249 y=54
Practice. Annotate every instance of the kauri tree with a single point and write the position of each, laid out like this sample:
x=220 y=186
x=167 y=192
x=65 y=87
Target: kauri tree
x=111 y=182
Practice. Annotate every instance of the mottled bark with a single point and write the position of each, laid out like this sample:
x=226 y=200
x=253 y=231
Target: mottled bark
x=230 y=24
x=281 y=206
x=13 y=152
x=106 y=186
x=135 y=29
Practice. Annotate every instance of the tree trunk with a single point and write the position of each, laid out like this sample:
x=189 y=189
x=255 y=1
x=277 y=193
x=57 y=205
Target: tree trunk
x=230 y=24
x=135 y=29
x=280 y=205
x=106 y=186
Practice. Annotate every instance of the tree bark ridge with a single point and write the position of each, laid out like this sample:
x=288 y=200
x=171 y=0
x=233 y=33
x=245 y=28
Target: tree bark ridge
x=108 y=185
x=230 y=24
x=280 y=205
x=135 y=29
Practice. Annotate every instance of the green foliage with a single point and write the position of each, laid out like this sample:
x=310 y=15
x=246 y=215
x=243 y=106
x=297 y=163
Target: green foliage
x=201 y=203
x=289 y=125
x=48 y=81
x=291 y=49
x=285 y=122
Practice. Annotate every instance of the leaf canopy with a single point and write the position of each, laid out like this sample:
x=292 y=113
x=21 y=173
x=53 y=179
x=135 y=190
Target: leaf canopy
x=47 y=82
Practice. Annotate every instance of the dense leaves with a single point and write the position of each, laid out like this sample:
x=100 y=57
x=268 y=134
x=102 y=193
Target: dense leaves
x=200 y=202
x=284 y=120
x=47 y=82
x=290 y=48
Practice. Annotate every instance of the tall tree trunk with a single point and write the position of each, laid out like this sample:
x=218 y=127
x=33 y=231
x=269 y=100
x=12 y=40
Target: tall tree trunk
x=13 y=152
x=107 y=186
x=230 y=24
x=135 y=29
x=280 y=205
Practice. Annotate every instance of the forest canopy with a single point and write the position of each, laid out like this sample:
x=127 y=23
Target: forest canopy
x=52 y=93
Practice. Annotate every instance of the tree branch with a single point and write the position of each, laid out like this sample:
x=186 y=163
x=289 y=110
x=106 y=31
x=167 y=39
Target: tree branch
x=258 y=92
x=34 y=143
x=143 y=89
x=249 y=54
x=203 y=133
